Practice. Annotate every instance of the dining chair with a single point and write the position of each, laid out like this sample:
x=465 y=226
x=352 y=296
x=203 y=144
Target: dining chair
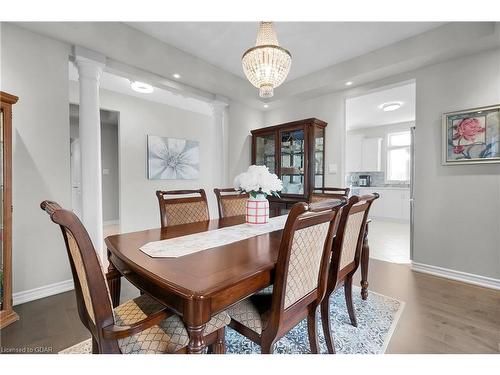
x=346 y=255
x=299 y=282
x=320 y=194
x=230 y=202
x=191 y=207
x=138 y=326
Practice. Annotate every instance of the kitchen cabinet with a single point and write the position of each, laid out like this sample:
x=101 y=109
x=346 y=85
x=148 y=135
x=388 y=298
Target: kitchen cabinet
x=363 y=154
x=393 y=204
x=371 y=155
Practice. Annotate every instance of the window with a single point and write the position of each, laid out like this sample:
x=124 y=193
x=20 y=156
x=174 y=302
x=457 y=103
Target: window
x=398 y=157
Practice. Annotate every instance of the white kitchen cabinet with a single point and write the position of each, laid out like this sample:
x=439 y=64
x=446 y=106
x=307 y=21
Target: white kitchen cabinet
x=353 y=148
x=393 y=204
x=371 y=155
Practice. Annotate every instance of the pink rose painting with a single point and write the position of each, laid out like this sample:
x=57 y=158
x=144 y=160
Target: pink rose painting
x=472 y=136
x=469 y=131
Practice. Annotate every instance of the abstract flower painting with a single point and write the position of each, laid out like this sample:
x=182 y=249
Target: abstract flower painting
x=173 y=159
x=472 y=136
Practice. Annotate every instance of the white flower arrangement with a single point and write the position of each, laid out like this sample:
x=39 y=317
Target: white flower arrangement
x=258 y=180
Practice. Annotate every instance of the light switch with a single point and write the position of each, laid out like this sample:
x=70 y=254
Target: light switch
x=105 y=171
x=332 y=168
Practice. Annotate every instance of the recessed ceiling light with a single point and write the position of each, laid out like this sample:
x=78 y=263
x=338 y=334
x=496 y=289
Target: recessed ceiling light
x=266 y=105
x=392 y=106
x=348 y=83
x=141 y=87
x=176 y=75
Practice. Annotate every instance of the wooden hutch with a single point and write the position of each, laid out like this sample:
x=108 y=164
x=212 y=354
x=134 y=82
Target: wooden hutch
x=7 y=315
x=295 y=151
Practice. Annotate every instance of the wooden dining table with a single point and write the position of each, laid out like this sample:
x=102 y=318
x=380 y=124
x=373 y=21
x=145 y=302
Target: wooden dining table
x=199 y=285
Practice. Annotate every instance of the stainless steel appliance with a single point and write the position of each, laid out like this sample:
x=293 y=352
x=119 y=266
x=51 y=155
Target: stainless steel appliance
x=364 y=180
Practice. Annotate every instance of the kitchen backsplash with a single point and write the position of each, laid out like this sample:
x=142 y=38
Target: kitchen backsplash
x=376 y=179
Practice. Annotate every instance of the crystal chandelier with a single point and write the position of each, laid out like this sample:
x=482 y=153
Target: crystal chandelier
x=267 y=64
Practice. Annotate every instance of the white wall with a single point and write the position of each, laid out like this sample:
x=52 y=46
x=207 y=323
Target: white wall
x=242 y=119
x=35 y=68
x=457 y=208
x=138 y=118
x=457 y=222
x=110 y=181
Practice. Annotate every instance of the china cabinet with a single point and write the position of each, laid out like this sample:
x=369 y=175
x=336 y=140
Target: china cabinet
x=295 y=151
x=7 y=315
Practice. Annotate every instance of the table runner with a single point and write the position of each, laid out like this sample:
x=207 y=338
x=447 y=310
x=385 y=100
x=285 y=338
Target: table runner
x=192 y=243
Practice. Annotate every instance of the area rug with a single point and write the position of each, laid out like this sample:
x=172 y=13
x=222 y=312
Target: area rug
x=377 y=319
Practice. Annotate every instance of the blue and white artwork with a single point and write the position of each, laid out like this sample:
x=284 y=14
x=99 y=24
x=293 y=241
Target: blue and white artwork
x=173 y=158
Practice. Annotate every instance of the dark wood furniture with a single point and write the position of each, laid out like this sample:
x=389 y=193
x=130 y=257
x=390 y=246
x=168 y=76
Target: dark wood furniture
x=141 y=325
x=190 y=208
x=319 y=194
x=300 y=279
x=295 y=152
x=7 y=314
x=230 y=202
x=202 y=284
x=346 y=257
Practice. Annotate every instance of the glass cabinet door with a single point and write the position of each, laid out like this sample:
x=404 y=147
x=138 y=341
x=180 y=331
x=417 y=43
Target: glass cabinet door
x=319 y=155
x=292 y=161
x=265 y=151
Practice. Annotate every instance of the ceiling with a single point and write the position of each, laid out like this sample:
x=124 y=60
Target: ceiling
x=313 y=45
x=364 y=111
x=120 y=84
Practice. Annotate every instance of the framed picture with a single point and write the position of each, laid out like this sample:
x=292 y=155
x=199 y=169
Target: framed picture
x=173 y=158
x=472 y=136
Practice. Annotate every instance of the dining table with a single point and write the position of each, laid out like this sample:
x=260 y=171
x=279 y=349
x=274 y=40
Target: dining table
x=201 y=284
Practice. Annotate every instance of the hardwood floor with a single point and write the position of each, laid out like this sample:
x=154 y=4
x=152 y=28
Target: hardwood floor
x=440 y=316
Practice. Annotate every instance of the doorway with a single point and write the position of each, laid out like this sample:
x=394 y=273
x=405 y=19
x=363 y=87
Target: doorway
x=109 y=165
x=379 y=158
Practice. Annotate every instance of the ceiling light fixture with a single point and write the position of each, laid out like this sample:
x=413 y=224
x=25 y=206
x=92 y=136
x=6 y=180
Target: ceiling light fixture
x=266 y=105
x=392 y=106
x=267 y=64
x=142 y=87
x=176 y=75
x=348 y=83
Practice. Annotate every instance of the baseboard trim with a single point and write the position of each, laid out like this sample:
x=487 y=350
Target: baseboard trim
x=469 y=278
x=42 y=292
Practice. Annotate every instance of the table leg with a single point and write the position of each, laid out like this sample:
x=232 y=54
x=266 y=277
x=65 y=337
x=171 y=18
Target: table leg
x=365 y=257
x=196 y=343
x=114 y=279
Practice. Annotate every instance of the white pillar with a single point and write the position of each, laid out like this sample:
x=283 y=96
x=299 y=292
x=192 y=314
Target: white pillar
x=89 y=71
x=219 y=112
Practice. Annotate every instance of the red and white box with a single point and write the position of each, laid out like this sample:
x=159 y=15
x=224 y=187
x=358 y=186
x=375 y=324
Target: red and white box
x=257 y=211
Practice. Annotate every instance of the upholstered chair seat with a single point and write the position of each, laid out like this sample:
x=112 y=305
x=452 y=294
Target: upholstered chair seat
x=141 y=325
x=253 y=312
x=299 y=282
x=168 y=336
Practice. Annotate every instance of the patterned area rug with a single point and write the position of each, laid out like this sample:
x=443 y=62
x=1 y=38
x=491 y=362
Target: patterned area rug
x=377 y=319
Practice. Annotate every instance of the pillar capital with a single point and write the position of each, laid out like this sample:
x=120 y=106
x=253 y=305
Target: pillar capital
x=219 y=104
x=90 y=64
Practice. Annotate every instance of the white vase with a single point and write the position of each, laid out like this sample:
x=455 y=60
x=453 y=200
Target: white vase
x=257 y=210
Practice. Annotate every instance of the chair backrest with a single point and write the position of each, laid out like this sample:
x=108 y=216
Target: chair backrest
x=321 y=194
x=182 y=210
x=93 y=298
x=349 y=236
x=304 y=255
x=231 y=202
